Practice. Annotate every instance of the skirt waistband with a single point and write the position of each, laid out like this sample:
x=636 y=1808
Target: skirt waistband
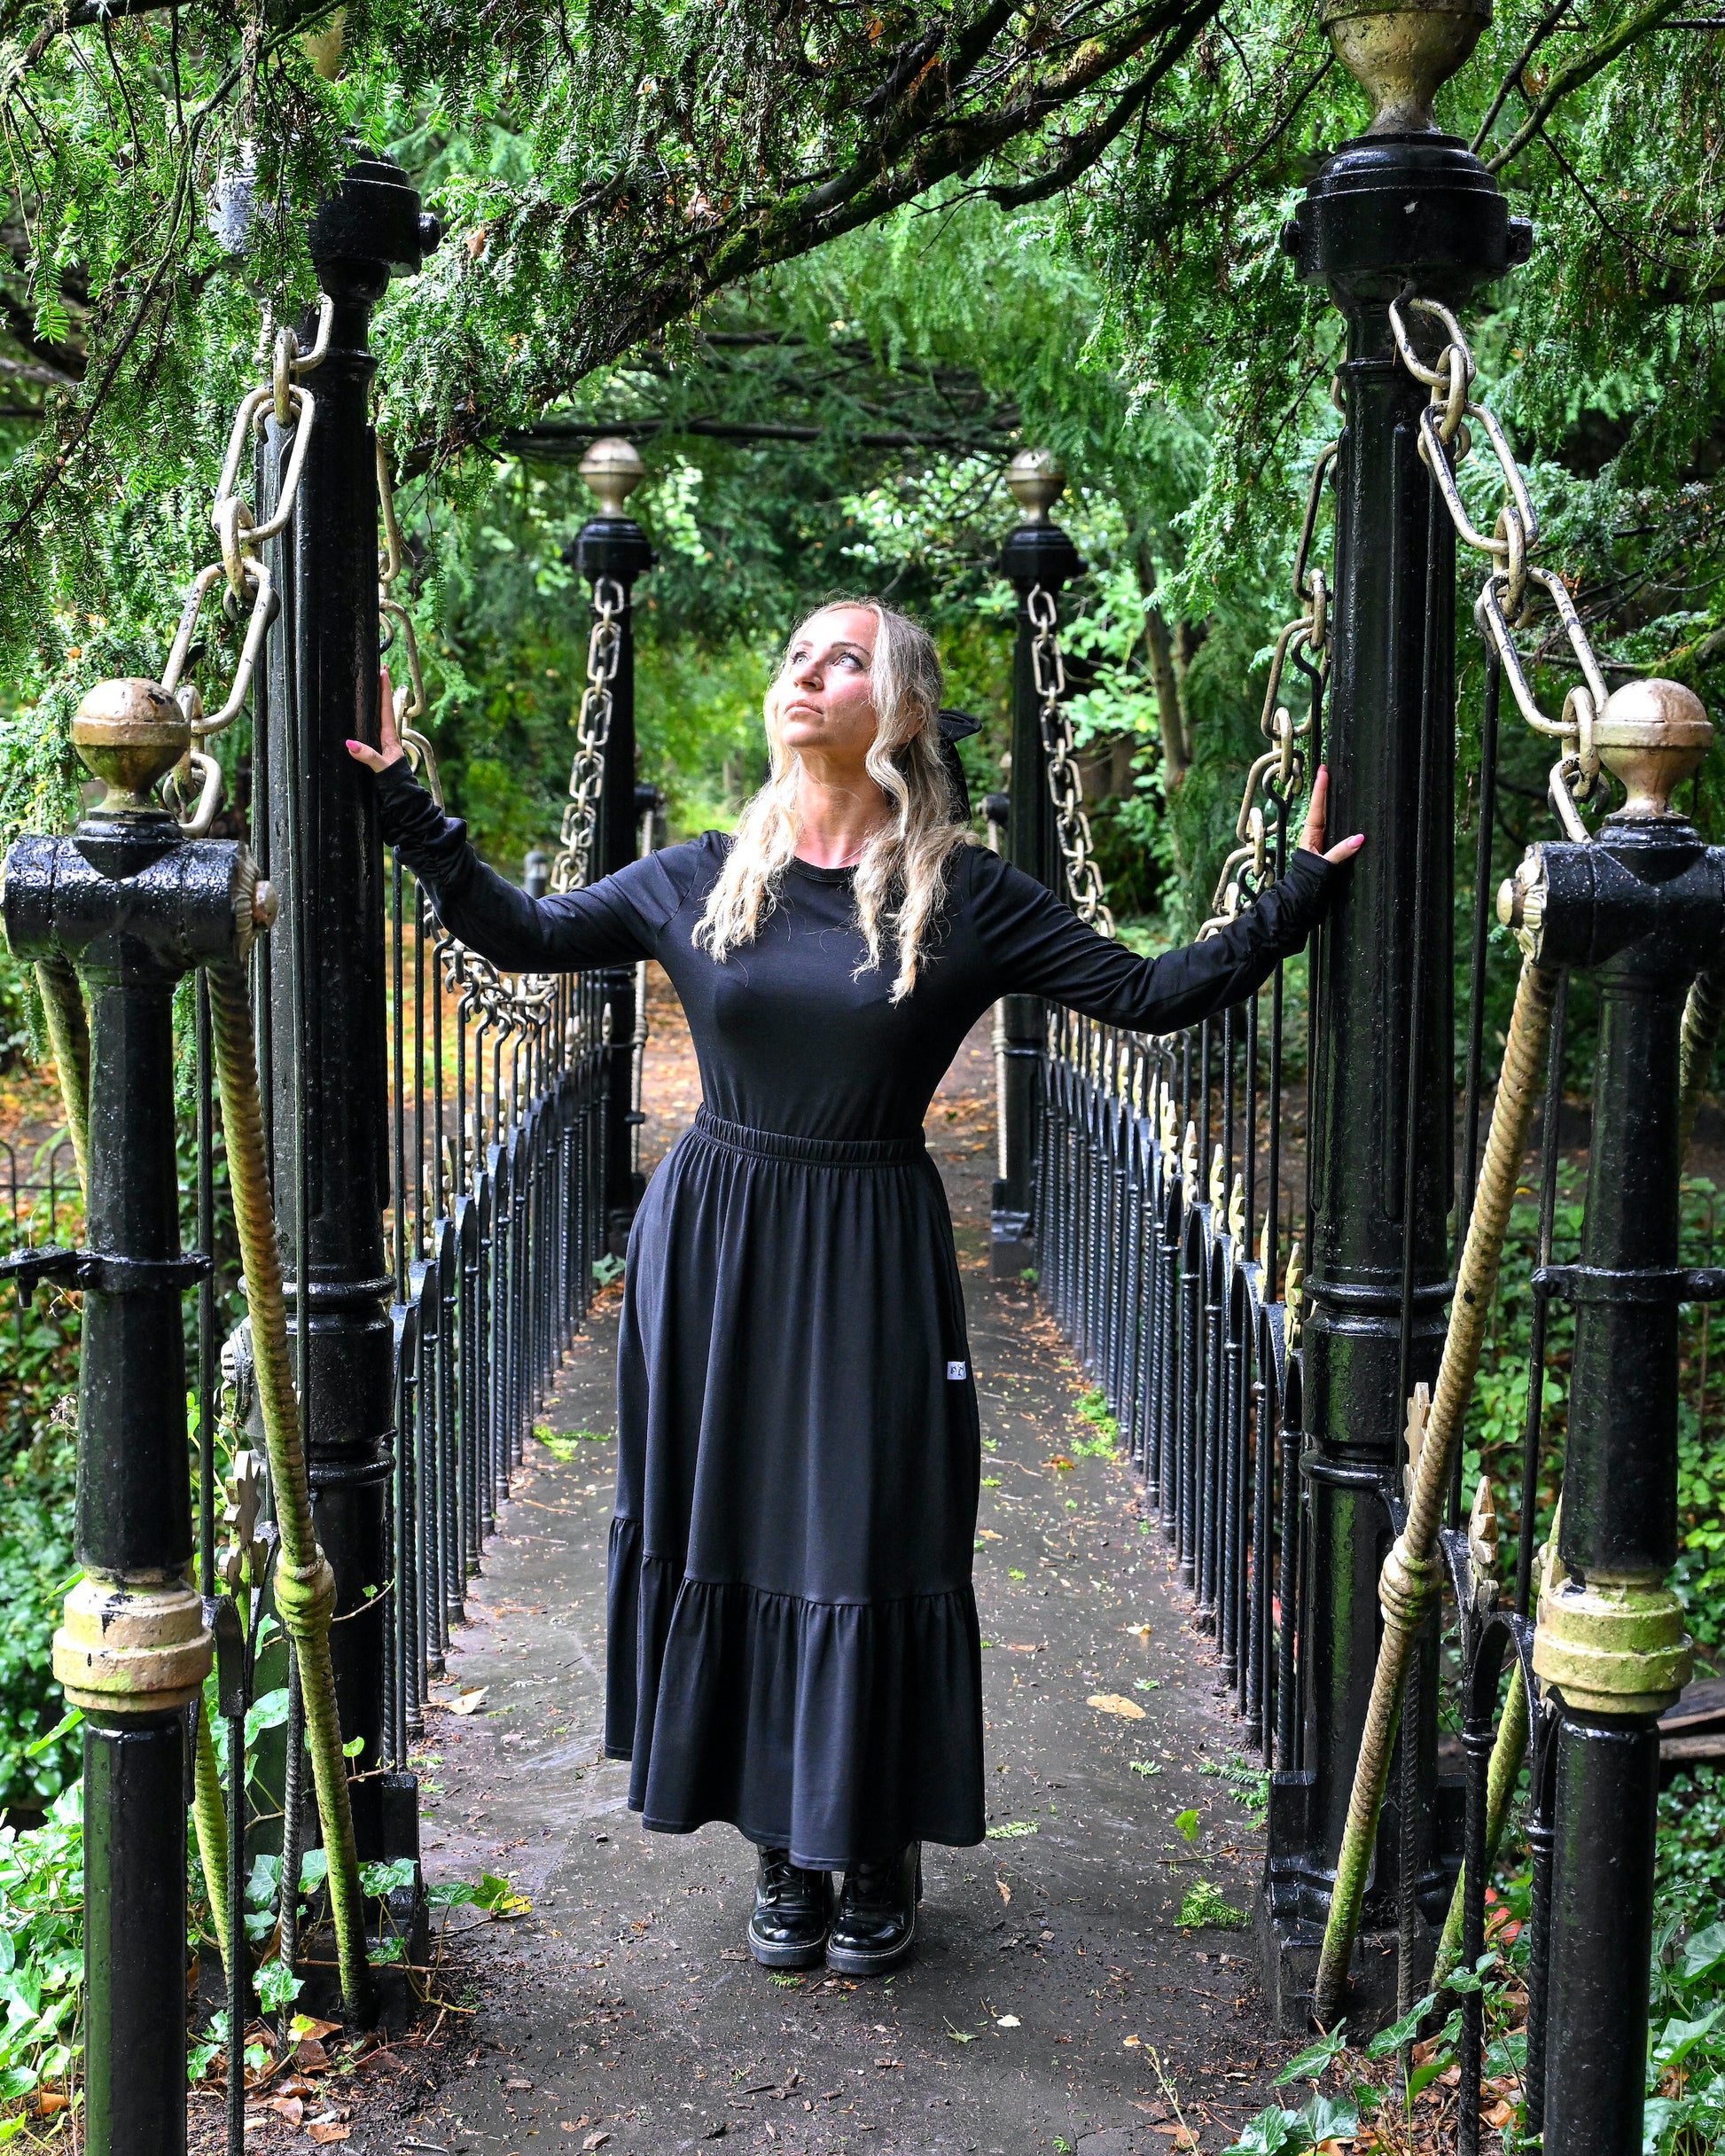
x=821 y=1153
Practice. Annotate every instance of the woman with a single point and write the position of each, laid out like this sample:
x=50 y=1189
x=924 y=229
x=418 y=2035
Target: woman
x=794 y=1642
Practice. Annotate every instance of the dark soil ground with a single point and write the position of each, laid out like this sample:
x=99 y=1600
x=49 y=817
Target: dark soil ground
x=1055 y=2003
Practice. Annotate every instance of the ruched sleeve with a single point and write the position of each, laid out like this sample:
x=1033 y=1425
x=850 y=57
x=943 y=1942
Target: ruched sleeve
x=612 y=922
x=1040 y=947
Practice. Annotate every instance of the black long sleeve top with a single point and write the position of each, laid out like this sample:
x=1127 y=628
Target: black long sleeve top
x=796 y=1033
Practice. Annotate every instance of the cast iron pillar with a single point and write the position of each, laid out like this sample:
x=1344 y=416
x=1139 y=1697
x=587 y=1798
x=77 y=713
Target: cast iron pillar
x=331 y=1160
x=1644 y=905
x=613 y=545
x=135 y=906
x=1037 y=553
x=1402 y=208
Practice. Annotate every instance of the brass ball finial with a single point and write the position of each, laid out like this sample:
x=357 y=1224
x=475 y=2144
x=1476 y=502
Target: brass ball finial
x=614 y=470
x=1402 y=52
x=1036 y=482
x=129 y=734
x=1650 y=737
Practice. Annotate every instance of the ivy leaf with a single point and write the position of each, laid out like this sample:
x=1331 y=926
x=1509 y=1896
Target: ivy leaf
x=1310 y=2064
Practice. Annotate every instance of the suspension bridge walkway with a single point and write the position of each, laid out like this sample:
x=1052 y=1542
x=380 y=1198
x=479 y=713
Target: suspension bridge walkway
x=1052 y=1965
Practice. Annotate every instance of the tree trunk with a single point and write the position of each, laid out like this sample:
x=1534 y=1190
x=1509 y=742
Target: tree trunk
x=1170 y=704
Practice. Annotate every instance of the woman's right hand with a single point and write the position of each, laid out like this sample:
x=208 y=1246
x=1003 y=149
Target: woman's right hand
x=390 y=750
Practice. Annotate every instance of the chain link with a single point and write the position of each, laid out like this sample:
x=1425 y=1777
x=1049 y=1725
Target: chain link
x=572 y=866
x=515 y=1003
x=1048 y=674
x=1280 y=773
x=239 y=534
x=1445 y=443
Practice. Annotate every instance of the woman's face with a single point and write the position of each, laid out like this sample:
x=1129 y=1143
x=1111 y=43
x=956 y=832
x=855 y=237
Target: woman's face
x=826 y=705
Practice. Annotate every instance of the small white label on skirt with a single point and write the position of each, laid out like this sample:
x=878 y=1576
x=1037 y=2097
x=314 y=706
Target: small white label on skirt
x=955 y=1370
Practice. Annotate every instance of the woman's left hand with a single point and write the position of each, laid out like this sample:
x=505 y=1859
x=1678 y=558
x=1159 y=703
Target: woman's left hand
x=1311 y=840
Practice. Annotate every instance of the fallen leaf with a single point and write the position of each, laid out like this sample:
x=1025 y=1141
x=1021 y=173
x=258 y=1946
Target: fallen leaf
x=50 y=2100
x=986 y=1535
x=1111 y=1703
x=1501 y=2112
x=289 y=2107
x=598 y=2141
x=469 y=1702
x=294 y=2086
x=1035 y=1649
x=1182 y=2137
x=305 y=2025
x=1130 y=2043
x=1138 y=1631
x=515 y=2081
x=1060 y=1462
x=1005 y=1891
x=323 y=2134
x=309 y=2056
x=1006 y=2021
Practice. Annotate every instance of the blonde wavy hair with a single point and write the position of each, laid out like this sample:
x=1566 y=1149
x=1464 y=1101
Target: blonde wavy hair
x=902 y=874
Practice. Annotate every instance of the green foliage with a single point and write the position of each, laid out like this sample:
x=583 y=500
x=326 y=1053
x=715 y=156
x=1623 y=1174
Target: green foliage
x=1684 y=2114
x=36 y=1565
x=41 y=1961
x=1205 y=1904
x=1249 y=1783
x=1691 y=1845
x=1093 y=1409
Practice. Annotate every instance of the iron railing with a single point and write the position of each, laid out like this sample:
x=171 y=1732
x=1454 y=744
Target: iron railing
x=496 y=1223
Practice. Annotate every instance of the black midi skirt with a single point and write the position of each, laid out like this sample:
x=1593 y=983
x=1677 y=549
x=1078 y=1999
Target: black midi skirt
x=794 y=1642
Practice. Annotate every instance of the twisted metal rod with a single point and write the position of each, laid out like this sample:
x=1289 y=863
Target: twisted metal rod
x=209 y=1819
x=1409 y=1581
x=1704 y=1012
x=68 y=1036
x=1506 y=1756
x=304 y=1583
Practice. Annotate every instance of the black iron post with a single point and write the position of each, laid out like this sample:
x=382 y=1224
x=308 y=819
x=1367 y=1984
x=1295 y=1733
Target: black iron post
x=1393 y=210
x=614 y=546
x=329 y=1072
x=1038 y=554
x=134 y=905
x=1644 y=905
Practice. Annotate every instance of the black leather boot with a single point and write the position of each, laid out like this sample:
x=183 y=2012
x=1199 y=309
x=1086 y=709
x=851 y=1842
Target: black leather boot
x=793 y=1910
x=875 y=1924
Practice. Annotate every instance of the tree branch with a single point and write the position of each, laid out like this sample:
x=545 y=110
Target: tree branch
x=551 y=435
x=1083 y=149
x=1543 y=30
x=1261 y=149
x=1582 y=70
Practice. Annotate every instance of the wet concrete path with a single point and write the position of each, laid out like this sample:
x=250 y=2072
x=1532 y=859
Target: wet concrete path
x=1055 y=2003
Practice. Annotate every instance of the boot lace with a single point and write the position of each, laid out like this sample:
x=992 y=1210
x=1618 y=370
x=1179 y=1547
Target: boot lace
x=778 y=1874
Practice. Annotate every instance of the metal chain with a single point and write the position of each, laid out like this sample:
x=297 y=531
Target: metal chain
x=572 y=866
x=1077 y=851
x=515 y=1002
x=1445 y=443
x=284 y=396
x=1280 y=772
